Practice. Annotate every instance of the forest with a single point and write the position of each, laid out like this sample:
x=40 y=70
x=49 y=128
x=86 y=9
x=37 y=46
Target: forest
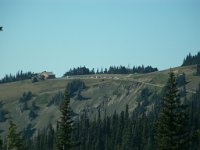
x=174 y=122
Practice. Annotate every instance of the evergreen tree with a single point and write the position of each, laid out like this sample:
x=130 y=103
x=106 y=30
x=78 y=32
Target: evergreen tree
x=183 y=91
x=198 y=69
x=120 y=130
x=127 y=133
x=75 y=86
x=99 y=143
x=18 y=77
x=172 y=124
x=65 y=125
x=3 y=112
x=191 y=59
x=14 y=138
x=195 y=119
x=1 y=144
x=107 y=132
x=110 y=70
x=181 y=80
x=50 y=137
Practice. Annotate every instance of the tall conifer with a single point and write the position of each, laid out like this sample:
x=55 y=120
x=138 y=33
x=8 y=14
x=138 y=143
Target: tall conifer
x=198 y=69
x=65 y=126
x=173 y=119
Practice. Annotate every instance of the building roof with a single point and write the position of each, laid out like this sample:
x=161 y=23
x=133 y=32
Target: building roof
x=47 y=73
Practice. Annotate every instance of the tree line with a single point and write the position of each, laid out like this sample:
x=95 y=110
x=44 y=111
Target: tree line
x=20 y=75
x=191 y=59
x=111 y=70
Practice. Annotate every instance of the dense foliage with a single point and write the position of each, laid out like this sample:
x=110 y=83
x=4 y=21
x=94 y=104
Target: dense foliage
x=79 y=71
x=122 y=131
x=191 y=60
x=18 y=77
x=110 y=70
x=125 y=70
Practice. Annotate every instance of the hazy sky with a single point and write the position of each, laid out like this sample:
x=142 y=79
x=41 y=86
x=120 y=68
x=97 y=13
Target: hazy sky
x=55 y=35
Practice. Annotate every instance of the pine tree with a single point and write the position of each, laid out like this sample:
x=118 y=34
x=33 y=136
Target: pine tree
x=14 y=138
x=50 y=137
x=120 y=130
x=195 y=119
x=127 y=133
x=1 y=144
x=114 y=126
x=65 y=126
x=99 y=143
x=198 y=69
x=172 y=123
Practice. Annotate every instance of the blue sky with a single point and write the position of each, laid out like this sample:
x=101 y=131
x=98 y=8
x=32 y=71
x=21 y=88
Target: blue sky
x=55 y=35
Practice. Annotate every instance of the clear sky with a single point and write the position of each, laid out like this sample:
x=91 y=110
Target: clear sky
x=55 y=35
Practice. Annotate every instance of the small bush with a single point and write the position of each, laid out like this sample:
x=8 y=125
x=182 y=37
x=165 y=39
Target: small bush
x=145 y=94
x=32 y=115
x=34 y=79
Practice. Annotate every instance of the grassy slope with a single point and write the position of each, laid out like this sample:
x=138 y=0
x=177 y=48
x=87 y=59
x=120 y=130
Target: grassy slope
x=111 y=93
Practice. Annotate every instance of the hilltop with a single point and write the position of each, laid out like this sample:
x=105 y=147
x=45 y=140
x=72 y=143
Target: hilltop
x=108 y=92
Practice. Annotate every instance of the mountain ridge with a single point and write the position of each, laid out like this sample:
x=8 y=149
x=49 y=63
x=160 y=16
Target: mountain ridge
x=104 y=92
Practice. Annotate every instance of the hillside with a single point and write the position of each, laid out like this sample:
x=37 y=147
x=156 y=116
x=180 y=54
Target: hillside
x=104 y=92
